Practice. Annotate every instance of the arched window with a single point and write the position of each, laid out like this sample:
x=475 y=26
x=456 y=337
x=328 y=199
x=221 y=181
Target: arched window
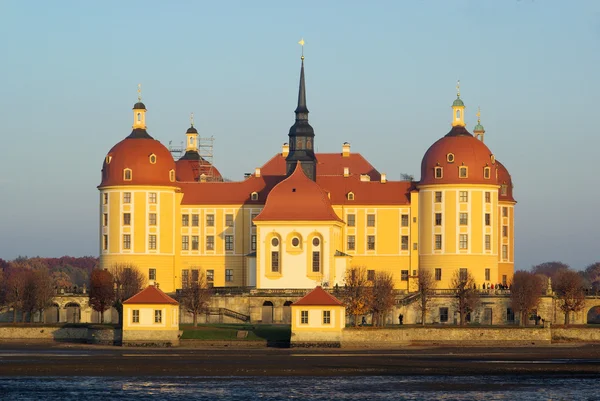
x=108 y=159
x=139 y=116
x=350 y=196
x=172 y=175
x=254 y=196
x=438 y=172
x=487 y=173
x=275 y=255
x=458 y=114
x=463 y=172
x=191 y=141
x=127 y=174
x=316 y=254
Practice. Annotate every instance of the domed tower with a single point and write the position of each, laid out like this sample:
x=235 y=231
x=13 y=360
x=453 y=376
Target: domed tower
x=137 y=199
x=192 y=167
x=458 y=204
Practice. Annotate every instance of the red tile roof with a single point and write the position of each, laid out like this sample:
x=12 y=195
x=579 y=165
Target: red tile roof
x=318 y=297
x=297 y=198
x=151 y=295
x=327 y=164
x=365 y=192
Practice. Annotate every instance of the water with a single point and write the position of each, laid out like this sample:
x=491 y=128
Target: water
x=484 y=388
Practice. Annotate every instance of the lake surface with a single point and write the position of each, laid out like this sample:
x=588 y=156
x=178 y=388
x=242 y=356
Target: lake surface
x=484 y=388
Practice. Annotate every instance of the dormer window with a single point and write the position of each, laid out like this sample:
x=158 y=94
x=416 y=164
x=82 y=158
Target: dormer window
x=152 y=158
x=108 y=159
x=504 y=190
x=493 y=159
x=487 y=173
x=462 y=172
x=438 y=172
x=350 y=196
x=172 y=175
x=450 y=157
x=254 y=196
x=127 y=174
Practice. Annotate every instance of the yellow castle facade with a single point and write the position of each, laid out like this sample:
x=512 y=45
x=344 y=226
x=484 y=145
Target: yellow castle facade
x=303 y=218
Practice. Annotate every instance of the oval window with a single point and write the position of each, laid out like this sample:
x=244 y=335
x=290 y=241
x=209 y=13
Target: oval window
x=295 y=241
x=152 y=159
x=275 y=242
x=450 y=157
x=316 y=242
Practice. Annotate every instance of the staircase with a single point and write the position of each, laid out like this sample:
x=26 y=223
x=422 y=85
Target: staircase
x=227 y=312
x=408 y=299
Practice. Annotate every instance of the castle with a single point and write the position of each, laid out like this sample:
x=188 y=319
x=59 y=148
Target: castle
x=303 y=218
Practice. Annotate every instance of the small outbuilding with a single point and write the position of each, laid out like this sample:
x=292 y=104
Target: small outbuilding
x=151 y=317
x=318 y=320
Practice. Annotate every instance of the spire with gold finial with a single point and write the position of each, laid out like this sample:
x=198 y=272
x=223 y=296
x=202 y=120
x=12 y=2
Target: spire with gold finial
x=478 y=130
x=139 y=111
x=191 y=136
x=458 y=109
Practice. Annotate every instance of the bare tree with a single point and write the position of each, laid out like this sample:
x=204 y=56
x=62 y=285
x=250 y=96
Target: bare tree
x=525 y=293
x=357 y=292
x=569 y=290
x=16 y=283
x=550 y=269
x=382 y=299
x=426 y=283
x=195 y=294
x=43 y=290
x=102 y=291
x=467 y=297
x=129 y=280
x=592 y=275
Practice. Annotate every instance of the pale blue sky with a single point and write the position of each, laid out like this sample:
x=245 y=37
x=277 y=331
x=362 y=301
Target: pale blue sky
x=380 y=75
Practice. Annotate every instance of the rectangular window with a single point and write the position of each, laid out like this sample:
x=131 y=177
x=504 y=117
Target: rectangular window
x=488 y=197
x=152 y=197
x=351 y=220
x=152 y=241
x=185 y=278
x=505 y=231
x=229 y=242
x=195 y=242
x=371 y=275
x=462 y=172
x=404 y=220
x=504 y=212
x=185 y=220
x=185 y=243
x=463 y=241
x=351 y=243
x=253 y=242
x=443 y=315
x=126 y=197
x=210 y=220
x=463 y=274
x=126 y=219
x=438 y=274
x=275 y=261
x=370 y=220
x=404 y=275
x=405 y=242
x=254 y=215
x=326 y=317
x=195 y=275
x=316 y=261
x=488 y=219
x=105 y=219
x=504 y=190
x=210 y=242
x=229 y=220
x=151 y=274
x=228 y=275
x=105 y=242
x=304 y=317
x=105 y=199
x=210 y=275
x=463 y=219
x=126 y=241
x=438 y=241
x=463 y=196
x=157 y=316
x=488 y=242
x=505 y=252
x=510 y=315
x=195 y=220
x=135 y=317
x=152 y=219
x=487 y=274
x=438 y=196
x=370 y=242
x=438 y=219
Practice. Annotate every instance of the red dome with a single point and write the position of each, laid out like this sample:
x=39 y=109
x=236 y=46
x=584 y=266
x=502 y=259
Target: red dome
x=458 y=148
x=191 y=166
x=505 y=193
x=297 y=198
x=134 y=152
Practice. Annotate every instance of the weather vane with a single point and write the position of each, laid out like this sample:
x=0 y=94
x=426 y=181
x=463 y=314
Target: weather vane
x=458 y=88
x=301 y=43
x=139 y=92
x=192 y=118
x=478 y=114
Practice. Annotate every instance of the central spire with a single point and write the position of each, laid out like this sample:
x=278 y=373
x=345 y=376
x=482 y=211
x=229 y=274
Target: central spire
x=302 y=134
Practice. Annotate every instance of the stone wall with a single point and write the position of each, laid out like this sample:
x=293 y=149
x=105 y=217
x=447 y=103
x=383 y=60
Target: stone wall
x=575 y=334
x=151 y=337
x=301 y=338
x=71 y=334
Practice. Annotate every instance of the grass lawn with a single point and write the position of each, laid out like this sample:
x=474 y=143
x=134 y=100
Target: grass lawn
x=259 y=332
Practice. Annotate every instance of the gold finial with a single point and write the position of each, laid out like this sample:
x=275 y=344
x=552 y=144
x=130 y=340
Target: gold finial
x=139 y=92
x=301 y=43
x=458 y=88
x=192 y=119
x=478 y=115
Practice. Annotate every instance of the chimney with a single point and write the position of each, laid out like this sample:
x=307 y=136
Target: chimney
x=346 y=171
x=383 y=178
x=285 y=150
x=257 y=172
x=346 y=149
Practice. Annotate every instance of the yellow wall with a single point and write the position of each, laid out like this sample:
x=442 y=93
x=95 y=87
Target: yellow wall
x=170 y=317
x=315 y=318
